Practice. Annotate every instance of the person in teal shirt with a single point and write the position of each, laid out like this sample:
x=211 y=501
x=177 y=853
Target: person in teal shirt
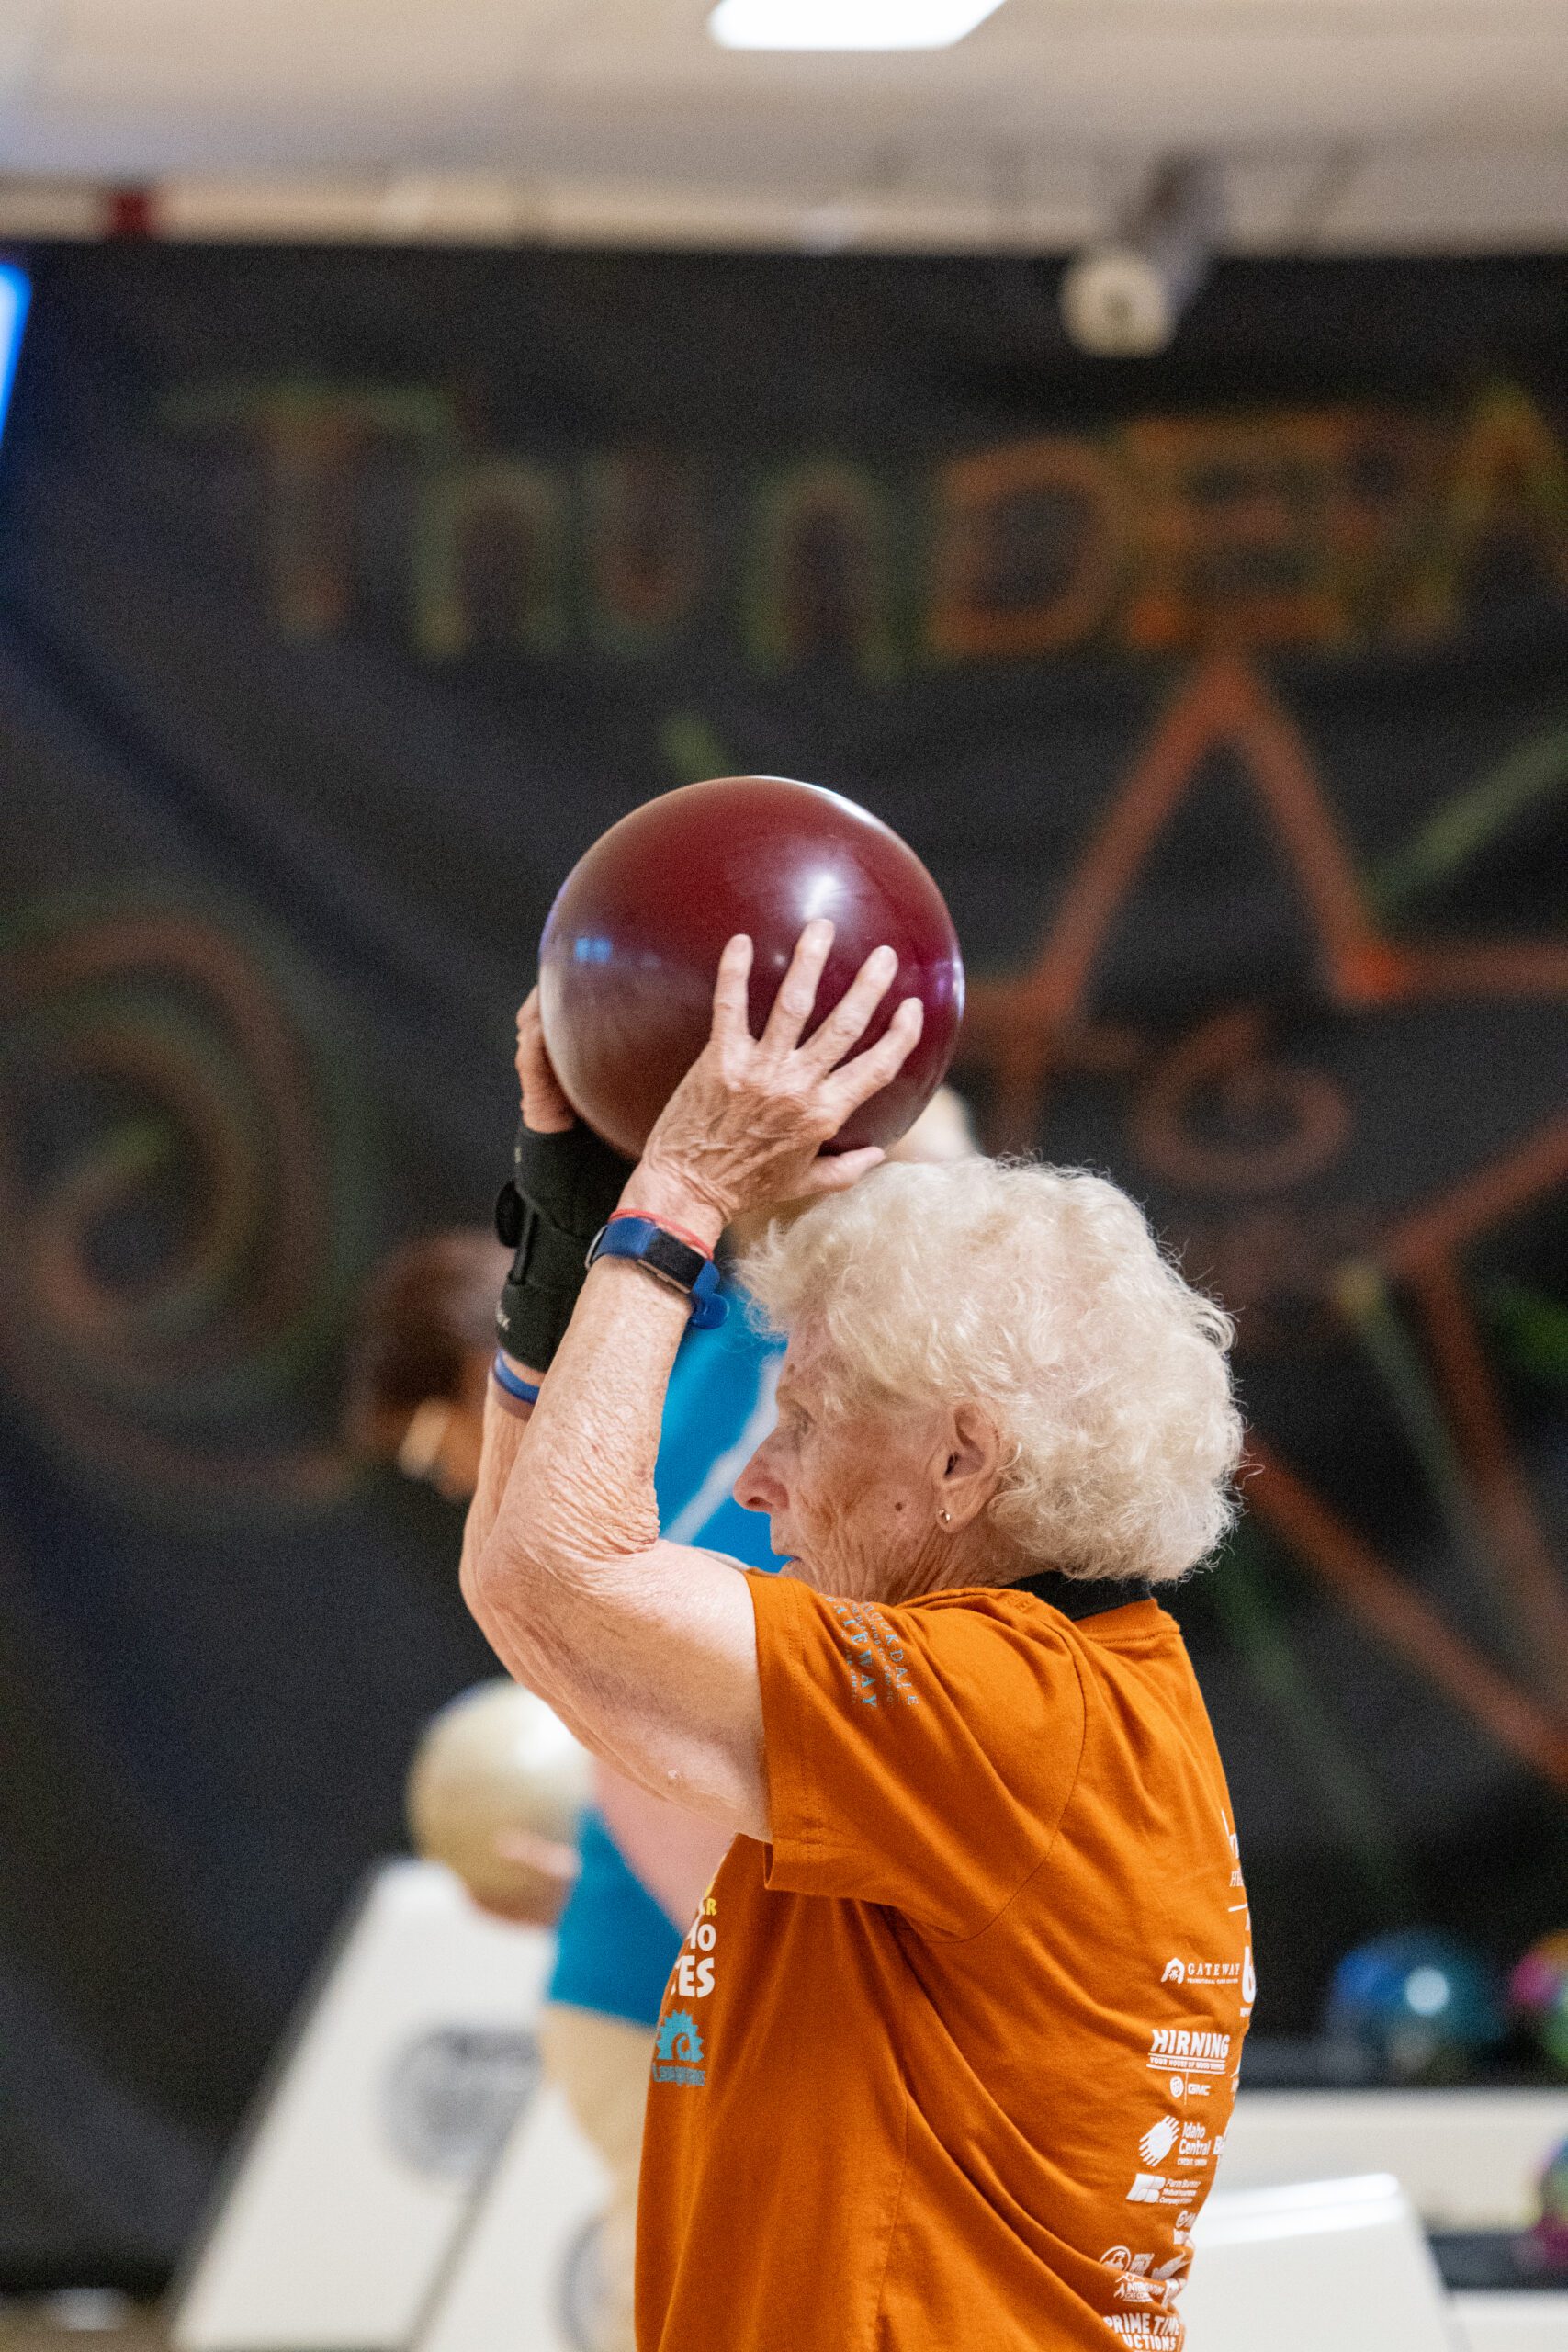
x=615 y=1944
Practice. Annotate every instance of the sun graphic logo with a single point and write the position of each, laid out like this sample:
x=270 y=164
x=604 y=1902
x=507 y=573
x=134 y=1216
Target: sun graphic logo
x=677 y=2050
x=1158 y=2140
x=678 y=2042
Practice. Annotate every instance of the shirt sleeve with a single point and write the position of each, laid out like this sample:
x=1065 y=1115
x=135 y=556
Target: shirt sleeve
x=918 y=1757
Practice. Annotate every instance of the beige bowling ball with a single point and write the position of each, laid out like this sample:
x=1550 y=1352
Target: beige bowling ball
x=495 y=1765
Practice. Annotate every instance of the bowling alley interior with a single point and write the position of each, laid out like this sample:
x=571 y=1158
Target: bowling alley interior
x=783 y=1176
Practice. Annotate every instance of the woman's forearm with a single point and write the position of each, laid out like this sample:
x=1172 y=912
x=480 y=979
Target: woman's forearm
x=581 y=1490
x=503 y=1429
x=567 y=1488
x=646 y=1650
x=580 y=1487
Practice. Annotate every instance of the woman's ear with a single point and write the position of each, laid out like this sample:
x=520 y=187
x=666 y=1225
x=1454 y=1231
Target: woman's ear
x=969 y=1466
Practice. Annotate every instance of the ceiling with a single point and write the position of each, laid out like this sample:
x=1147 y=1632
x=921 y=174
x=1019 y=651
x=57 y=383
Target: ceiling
x=1347 y=125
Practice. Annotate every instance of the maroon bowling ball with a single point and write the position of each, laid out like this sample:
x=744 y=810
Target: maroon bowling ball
x=631 y=949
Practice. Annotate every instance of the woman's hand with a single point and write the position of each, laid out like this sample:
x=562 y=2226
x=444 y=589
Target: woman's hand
x=745 y=1127
x=545 y=1111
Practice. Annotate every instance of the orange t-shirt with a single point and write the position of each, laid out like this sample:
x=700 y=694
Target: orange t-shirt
x=949 y=2064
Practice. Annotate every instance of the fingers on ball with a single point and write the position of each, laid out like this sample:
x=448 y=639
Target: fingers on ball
x=796 y=999
x=854 y=1012
x=730 y=1017
x=859 y=1079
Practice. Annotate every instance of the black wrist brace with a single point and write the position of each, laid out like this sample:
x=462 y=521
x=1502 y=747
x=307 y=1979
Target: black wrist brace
x=562 y=1189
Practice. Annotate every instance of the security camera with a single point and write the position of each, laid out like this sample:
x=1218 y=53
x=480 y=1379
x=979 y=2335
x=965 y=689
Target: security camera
x=1125 y=298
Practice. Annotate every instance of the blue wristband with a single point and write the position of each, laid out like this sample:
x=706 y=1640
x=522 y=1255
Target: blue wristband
x=526 y=1391
x=670 y=1259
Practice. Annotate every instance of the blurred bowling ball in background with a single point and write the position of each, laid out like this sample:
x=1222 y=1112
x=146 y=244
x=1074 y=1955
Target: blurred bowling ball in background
x=1550 y=2230
x=630 y=952
x=1538 y=1995
x=495 y=1764
x=1551 y=2030
x=1414 y=2007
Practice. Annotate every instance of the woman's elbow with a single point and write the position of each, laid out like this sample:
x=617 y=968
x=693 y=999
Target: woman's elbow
x=495 y=1580
x=479 y=1568
x=470 y=1583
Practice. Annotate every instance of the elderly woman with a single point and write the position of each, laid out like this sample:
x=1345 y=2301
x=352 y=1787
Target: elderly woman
x=947 y=2057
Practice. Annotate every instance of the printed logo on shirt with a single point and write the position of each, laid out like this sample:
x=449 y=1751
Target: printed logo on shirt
x=1133 y=2289
x=693 y=1978
x=1122 y=2258
x=1153 y=2290
x=875 y=1655
x=1181 y=2147
x=1208 y=1972
x=1194 y=2049
x=677 y=2050
x=1156 y=2189
x=1156 y=2332
x=1198 y=2148
x=1248 y=1982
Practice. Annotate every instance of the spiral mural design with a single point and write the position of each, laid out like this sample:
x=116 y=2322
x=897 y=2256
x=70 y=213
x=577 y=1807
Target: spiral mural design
x=176 y=1219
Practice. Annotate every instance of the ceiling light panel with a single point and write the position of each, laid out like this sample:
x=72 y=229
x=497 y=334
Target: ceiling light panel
x=846 y=24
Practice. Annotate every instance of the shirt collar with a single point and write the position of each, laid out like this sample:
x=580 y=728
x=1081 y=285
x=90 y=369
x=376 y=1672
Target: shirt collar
x=1085 y=1596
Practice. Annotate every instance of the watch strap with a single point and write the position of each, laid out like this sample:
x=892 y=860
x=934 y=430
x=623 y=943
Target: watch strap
x=670 y=1258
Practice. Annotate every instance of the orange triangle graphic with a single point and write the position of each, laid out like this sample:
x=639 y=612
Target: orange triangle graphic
x=1017 y=1028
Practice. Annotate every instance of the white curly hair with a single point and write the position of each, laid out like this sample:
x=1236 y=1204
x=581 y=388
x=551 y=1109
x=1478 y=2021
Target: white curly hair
x=1041 y=1293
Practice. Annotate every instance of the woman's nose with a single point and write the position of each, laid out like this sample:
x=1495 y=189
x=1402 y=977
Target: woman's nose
x=757 y=1488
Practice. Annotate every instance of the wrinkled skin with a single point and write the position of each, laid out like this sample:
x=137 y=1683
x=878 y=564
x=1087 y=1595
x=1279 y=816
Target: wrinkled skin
x=856 y=1501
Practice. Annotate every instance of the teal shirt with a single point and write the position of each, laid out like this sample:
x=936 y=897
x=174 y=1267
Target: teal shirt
x=615 y=1946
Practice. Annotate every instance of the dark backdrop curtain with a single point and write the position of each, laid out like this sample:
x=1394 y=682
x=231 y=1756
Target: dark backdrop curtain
x=343 y=598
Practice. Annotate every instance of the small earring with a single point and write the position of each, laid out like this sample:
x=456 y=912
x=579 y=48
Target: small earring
x=946 y=1518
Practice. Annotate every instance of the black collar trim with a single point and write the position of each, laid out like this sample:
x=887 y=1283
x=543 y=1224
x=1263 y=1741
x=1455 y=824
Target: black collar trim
x=1085 y=1596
